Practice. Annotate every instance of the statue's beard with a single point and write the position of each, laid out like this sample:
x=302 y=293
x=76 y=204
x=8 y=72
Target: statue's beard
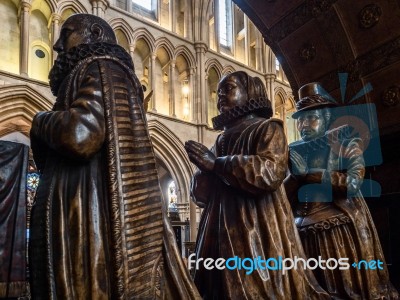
x=59 y=72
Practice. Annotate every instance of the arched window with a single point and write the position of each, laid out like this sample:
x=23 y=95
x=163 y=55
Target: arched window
x=146 y=4
x=225 y=23
x=172 y=196
x=212 y=80
x=146 y=8
x=122 y=39
x=39 y=46
x=162 y=78
x=39 y=61
x=182 y=90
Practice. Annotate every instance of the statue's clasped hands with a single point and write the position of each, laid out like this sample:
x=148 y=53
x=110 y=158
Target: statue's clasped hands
x=299 y=165
x=198 y=154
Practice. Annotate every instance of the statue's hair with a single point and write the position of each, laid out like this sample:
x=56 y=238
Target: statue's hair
x=88 y=22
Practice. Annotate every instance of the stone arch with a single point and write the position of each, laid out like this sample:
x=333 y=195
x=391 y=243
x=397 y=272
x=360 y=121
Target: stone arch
x=169 y=148
x=19 y=104
x=214 y=63
x=280 y=92
x=185 y=52
x=163 y=42
x=49 y=7
x=74 y=5
x=118 y=23
x=143 y=33
x=228 y=70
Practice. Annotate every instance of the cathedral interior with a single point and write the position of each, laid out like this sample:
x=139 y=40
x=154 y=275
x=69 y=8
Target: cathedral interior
x=182 y=48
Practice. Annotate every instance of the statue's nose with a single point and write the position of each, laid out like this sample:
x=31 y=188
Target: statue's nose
x=58 y=46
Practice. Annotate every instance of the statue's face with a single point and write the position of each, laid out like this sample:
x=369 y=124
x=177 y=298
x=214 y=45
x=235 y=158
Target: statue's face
x=231 y=93
x=311 y=124
x=72 y=35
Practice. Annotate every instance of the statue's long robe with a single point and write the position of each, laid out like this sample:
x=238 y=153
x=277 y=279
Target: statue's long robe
x=343 y=227
x=246 y=214
x=97 y=226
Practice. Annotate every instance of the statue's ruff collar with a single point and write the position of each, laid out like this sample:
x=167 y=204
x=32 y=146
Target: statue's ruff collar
x=260 y=107
x=66 y=61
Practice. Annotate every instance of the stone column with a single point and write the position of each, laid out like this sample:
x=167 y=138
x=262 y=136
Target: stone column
x=94 y=7
x=192 y=221
x=246 y=40
x=258 y=50
x=187 y=21
x=99 y=7
x=55 y=19
x=172 y=88
x=153 y=82
x=200 y=103
x=128 y=6
x=24 y=27
x=192 y=116
x=172 y=14
x=216 y=26
x=102 y=7
x=270 y=84
x=131 y=49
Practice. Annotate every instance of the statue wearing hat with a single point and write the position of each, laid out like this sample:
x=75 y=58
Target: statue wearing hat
x=327 y=169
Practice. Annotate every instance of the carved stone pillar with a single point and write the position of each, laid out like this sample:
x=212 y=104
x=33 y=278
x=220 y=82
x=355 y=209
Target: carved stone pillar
x=192 y=222
x=216 y=27
x=131 y=49
x=99 y=7
x=55 y=19
x=246 y=40
x=191 y=95
x=187 y=31
x=172 y=82
x=270 y=84
x=200 y=103
x=258 y=50
x=172 y=14
x=24 y=27
x=153 y=82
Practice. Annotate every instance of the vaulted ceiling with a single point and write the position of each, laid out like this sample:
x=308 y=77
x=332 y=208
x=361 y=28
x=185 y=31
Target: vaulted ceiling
x=317 y=39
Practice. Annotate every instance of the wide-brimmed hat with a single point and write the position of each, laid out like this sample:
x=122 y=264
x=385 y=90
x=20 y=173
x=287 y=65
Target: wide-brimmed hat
x=311 y=97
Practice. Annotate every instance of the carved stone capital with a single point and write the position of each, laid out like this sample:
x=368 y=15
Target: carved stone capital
x=200 y=47
x=26 y=5
x=55 y=17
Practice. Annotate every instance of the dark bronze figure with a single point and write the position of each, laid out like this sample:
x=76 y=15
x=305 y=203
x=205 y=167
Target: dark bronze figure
x=331 y=214
x=13 y=179
x=99 y=230
x=246 y=212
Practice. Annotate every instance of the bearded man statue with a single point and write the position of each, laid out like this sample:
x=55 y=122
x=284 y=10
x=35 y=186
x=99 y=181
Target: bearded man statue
x=99 y=230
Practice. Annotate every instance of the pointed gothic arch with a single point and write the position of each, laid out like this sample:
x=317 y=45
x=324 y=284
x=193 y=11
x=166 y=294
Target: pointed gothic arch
x=19 y=105
x=169 y=148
